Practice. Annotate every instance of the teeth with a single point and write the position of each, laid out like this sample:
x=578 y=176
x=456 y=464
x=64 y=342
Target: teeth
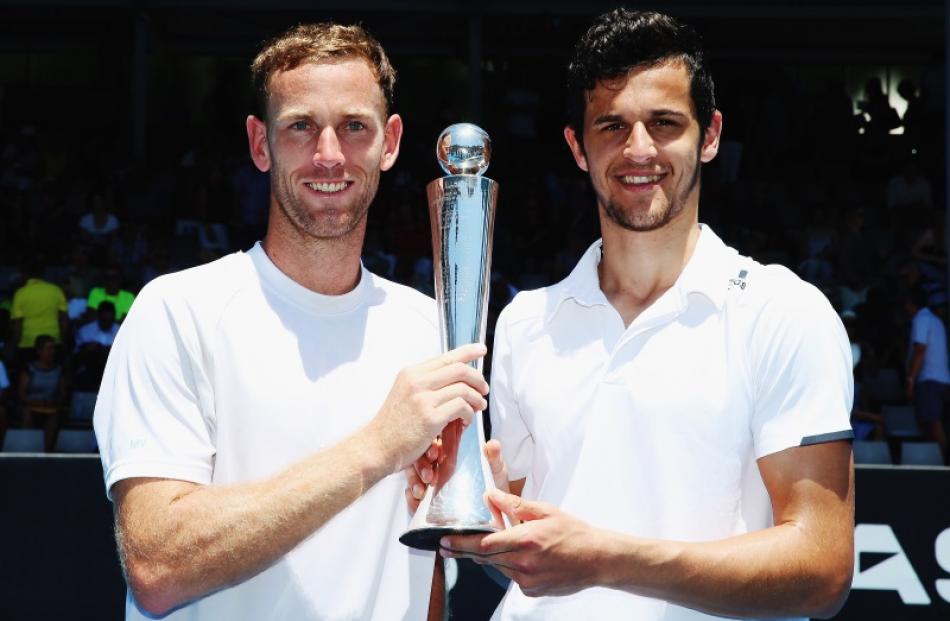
x=328 y=187
x=640 y=179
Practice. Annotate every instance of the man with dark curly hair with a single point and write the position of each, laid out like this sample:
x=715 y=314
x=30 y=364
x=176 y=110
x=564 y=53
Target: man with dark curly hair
x=254 y=410
x=673 y=416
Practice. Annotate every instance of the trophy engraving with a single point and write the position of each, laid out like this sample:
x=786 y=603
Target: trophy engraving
x=462 y=214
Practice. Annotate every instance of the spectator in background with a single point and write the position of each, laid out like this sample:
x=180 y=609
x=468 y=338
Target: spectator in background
x=39 y=307
x=98 y=225
x=114 y=293
x=857 y=260
x=928 y=377
x=913 y=115
x=101 y=332
x=93 y=342
x=42 y=389
x=878 y=116
x=909 y=189
x=80 y=273
x=4 y=385
x=77 y=305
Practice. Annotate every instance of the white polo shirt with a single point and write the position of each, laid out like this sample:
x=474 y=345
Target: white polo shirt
x=654 y=430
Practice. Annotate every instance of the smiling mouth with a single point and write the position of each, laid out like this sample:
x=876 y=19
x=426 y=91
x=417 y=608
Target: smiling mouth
x=328 y=187
x=640 y=179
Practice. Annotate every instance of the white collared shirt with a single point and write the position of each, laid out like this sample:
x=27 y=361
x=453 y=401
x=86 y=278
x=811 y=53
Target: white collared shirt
x=654 y=429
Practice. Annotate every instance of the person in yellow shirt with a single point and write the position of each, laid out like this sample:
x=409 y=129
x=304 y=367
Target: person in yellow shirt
x=39 y=307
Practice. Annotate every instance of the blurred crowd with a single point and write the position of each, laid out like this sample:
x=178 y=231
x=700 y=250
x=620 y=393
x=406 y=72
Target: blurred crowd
x=850 y=195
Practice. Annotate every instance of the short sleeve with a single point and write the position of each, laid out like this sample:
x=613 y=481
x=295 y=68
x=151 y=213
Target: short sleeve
x=802 y=373
x=507 y=425
x=149 y=418
x=918 y=330
x=16 y=308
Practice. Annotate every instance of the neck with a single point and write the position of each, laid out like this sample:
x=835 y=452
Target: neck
x=638 y=267
x=326 y=266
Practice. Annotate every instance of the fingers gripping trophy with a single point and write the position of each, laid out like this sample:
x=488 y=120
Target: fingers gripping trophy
x=462 y=214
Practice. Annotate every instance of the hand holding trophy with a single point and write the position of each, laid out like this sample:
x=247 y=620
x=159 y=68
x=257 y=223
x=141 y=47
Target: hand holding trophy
x=462 y=214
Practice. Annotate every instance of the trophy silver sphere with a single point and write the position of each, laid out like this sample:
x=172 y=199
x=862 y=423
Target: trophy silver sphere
x=463 y=149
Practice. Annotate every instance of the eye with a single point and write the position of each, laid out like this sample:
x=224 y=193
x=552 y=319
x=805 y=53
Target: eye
x=612 y=127
x=664 y=123
x=355 y=126
x=300 y=126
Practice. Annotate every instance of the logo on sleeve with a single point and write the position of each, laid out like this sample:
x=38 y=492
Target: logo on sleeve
x=738 y=281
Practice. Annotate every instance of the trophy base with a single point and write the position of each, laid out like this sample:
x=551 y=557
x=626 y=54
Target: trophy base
x=428 y=538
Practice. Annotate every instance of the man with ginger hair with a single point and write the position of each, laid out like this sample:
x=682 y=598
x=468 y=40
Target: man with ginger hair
x=253 y=409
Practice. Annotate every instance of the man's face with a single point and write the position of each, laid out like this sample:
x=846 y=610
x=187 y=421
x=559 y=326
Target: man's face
x=642 y=146
x=325 y=142
x=46 y=353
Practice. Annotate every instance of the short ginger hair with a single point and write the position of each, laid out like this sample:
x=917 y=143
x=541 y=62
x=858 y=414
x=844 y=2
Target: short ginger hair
x=315 y=43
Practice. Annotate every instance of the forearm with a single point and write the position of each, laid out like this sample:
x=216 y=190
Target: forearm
x=777 y=572
x=178 y=548
x=917 y=361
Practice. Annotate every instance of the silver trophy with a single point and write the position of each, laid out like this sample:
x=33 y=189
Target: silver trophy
x=462 y=213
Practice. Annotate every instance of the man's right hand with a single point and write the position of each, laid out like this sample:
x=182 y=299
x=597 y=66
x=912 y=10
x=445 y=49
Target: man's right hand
x=423 y=400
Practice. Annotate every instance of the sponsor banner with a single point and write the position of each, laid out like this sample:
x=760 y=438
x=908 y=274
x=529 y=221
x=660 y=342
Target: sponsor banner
x=902 y=544
x=58 y=528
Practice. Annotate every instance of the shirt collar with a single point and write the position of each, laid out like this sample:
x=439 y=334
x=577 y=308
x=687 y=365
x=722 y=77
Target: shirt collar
x=706 y=273
x=312 y=301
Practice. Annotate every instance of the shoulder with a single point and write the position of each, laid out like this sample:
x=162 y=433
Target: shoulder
x=782 y=316
x=201 y=289
x=776 y=289
x=405 y=302
x=528 y=310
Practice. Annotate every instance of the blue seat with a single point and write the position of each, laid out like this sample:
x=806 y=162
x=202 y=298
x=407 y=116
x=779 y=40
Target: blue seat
x=76 y=441
x=921 y=454
x=900 y=422
x=871 y=452
x=23 y=441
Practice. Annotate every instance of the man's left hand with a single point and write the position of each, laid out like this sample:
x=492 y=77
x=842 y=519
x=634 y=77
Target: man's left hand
x=548 y=553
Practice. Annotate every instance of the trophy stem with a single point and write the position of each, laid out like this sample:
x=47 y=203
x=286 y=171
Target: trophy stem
x=461 y=210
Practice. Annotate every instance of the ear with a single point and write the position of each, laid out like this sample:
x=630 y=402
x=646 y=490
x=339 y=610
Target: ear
x=577 y=149
x=257 y=143
x=711 y=138
x=392 y=134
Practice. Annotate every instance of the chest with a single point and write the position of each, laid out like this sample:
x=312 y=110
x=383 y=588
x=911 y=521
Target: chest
x=287 y=386
x=682 y=381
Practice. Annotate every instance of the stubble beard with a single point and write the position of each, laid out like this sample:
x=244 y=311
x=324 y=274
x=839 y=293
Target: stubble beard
x=653 y=219
x=309 y=225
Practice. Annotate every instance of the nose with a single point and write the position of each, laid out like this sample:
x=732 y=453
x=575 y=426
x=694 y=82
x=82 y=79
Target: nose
x=640 y=147
x=328 y=154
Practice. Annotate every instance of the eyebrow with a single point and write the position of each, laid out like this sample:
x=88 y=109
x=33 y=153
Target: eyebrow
x=607 y=118
x=616 y=118
x=667 y=112
x=301 y=113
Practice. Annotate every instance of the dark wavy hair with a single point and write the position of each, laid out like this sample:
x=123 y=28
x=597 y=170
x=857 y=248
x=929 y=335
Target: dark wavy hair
x=621 y=40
